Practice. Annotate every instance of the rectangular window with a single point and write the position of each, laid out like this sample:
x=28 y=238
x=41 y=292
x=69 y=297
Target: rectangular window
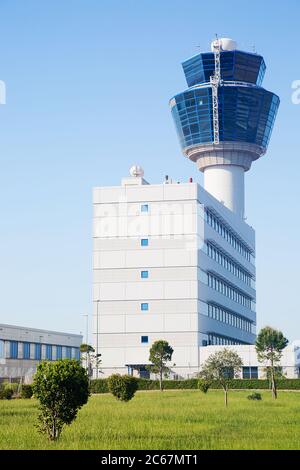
x=68 y=352
x=37 y=352
x=144 y=208
x=48 y=352
x=254 y=372
x=144 y=242
x=58 y=352
x=77 y=353
x=1 y=348
x=145 y=306
x=26 y=350
x=246 y=373
x=144 y=339
x=144 y=274
x=13 y=351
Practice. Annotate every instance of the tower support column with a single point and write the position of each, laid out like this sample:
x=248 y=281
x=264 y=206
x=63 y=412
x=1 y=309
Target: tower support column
x=226 y=183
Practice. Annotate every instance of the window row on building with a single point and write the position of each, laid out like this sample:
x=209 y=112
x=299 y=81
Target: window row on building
x=230 y=318
x=250 y=372
x=227 y=263
x=217 y=225
x=229 y=291
x=36 y=351
x=215 y=339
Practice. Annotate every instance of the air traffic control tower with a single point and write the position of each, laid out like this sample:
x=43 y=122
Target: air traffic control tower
x=225 y=118
x=172 y=260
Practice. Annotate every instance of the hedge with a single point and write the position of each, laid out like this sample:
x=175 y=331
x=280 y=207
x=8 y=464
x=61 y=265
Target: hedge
x=101 y=385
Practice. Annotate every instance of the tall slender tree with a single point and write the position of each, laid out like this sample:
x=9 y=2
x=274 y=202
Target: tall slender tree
x=160 y=354
x=269 y=346
x=90 y=359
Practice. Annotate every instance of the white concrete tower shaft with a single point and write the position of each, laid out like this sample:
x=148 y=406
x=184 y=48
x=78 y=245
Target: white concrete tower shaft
x=226 y=183
x=224 y=167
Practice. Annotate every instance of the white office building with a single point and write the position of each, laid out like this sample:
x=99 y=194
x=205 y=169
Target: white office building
x=175 y=261
x=170 y=262
x=22 y=349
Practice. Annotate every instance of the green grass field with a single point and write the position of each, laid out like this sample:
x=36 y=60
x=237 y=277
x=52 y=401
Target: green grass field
x=183 y=419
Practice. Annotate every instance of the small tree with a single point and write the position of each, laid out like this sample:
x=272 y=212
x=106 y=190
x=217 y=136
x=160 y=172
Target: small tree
x=269 y=346
x=221 y=367
x=123 y=387
x=90 y=360
x=160 y=354
x=203 y=385
x=62 y=387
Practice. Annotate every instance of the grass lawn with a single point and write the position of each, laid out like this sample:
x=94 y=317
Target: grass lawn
x=181 y=419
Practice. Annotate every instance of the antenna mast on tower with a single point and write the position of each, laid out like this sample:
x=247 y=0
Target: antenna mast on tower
x=215 y=81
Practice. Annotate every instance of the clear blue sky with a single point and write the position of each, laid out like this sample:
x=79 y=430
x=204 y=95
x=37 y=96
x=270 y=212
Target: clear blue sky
x=88 y=84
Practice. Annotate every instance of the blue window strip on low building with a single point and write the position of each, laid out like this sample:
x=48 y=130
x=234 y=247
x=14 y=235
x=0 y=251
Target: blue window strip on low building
x=144 y=242
x=26 y=350
x=58 y=352
x=144 y=339
x=145 y=306
x=37 y=352
x=1 y=348
x=144 y=274
x=26 y=346
x=144 y=208
x=13 y=350
x=77 y=354
x=68 y=352
x=48 y=352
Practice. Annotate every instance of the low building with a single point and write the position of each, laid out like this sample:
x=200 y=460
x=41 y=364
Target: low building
x=21 y=350
x=252 y=369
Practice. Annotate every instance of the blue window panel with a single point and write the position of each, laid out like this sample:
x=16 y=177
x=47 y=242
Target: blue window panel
x=144 y=242
x=26 y=350
x=144 y=306
x=144 y=208
x=235 y=65
x=144 y=274
x=37 y=352
x=1 y=348
x=246 y=114
x=77 y=354
x=13 y=351
x=58 y=352
x=144 y=339
x=68 y=352
x=48 y=352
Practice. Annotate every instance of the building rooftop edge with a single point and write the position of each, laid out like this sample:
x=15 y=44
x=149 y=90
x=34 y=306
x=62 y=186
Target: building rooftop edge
x=5 y=325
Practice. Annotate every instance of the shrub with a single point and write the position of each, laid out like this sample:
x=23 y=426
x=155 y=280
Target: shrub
x=203 y=385
x=11 y=386
x=254 y=396
x=6 y=394
x=99 y=386
x=62 y=387
x=26 y=391
x=123 y=387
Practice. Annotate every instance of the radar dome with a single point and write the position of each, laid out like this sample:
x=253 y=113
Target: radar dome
x=227 y=44
x=136 y=171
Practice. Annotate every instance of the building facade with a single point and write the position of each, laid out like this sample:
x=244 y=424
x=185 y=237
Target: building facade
x=289 y=364
x=21 y=350
x=176 y=261
x=170 y=262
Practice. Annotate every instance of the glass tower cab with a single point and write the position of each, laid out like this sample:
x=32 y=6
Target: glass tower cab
x=225 y=118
